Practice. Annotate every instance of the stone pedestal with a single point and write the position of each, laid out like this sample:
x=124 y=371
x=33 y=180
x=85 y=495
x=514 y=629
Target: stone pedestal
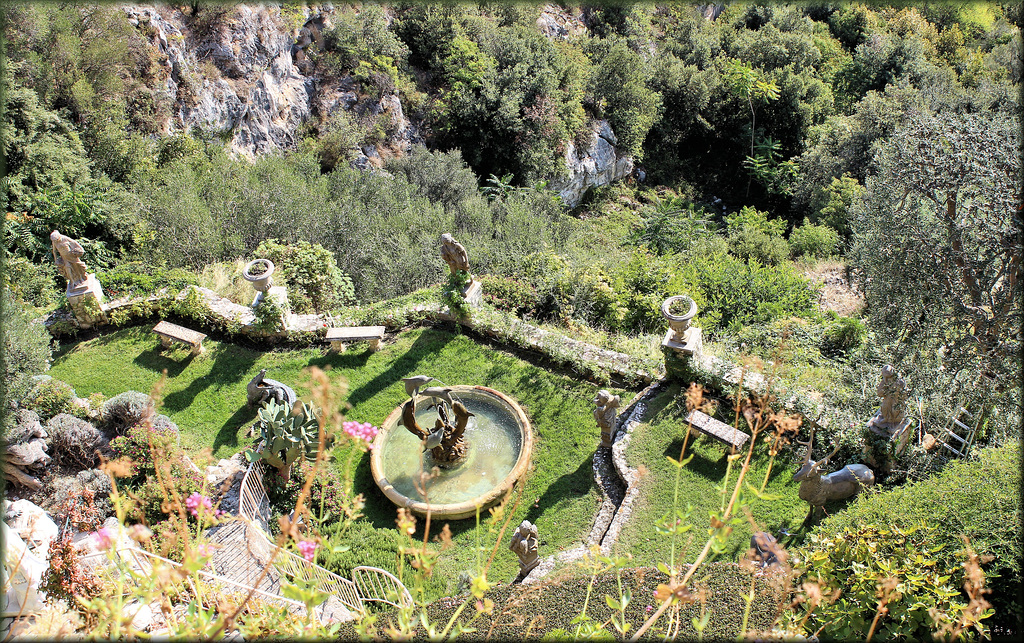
x=473 y=292
x=278 y=294
x=691 y=343
x=899 y=434
x=606 y=437
x=86 y=302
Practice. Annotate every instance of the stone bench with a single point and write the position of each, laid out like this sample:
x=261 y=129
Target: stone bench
x=719 y=430
x=337 y=336
x=168 y=332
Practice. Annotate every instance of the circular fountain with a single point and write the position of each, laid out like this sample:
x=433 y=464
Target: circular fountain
x=497 y=443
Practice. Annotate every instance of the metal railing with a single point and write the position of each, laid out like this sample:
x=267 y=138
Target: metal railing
x=375 y=584
x=145 y=568
x=253 y=503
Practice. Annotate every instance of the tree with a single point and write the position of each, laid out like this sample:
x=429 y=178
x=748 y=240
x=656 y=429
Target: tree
x=937 y=239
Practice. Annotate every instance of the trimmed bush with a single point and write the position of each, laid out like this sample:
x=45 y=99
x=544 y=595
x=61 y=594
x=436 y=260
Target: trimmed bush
x=316 y=284
x=125 y=410
x=138 y=443
x=979 y=499
x=843 y=335
x=50 y=398
x=811 y=240
x=73 y=441
x=510 y=294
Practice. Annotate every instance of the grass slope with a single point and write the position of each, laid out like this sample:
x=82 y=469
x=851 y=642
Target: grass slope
x=700 y=486
x=205 y=397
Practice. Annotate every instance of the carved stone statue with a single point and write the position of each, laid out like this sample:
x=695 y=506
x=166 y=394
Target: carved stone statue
x=454 y=254
x=67 y=253
x=260 y=389
x=607 y=405
x=893 y=413
x=524 y=544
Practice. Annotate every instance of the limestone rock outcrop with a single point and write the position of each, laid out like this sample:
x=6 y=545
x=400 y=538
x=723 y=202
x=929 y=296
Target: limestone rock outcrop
x=600 y=164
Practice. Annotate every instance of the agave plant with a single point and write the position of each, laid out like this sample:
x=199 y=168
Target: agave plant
x=284 y=436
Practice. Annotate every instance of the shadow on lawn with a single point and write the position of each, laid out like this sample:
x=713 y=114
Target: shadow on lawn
x=229 y=362
x=568 y=486
x=429 y=341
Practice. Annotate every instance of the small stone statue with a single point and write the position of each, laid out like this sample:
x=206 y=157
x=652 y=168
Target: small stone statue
x=260 y=389
x=607 y=405
x=67 y=253
x=892 y=414
x=524 y=544
x=454 y=254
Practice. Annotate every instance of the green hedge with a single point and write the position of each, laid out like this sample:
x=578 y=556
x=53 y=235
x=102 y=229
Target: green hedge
x=976 y=498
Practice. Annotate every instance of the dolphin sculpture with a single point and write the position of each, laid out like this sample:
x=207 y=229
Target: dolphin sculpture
x=439 y=393
x=413 y=384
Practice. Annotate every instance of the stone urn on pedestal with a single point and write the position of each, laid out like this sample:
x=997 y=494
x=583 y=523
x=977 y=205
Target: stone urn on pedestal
x=259 y=272
x=681 y=337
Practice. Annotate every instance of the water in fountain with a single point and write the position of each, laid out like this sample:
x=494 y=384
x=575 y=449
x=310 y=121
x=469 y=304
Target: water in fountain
x=493 y=439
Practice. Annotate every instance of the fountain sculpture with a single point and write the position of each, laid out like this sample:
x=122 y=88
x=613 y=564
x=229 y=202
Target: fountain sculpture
x=462 y=449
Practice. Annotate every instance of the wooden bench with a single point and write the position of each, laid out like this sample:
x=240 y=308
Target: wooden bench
x=337 y=336
x=719 y=430
x=168 y=332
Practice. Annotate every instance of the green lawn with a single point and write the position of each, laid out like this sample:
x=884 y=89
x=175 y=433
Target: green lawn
x=205 y=397
x=700 y=484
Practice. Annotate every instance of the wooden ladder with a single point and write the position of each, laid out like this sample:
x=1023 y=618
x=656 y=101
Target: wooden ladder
x=953 y=440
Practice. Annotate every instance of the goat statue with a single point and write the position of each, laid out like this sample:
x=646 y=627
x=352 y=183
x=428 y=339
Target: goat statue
x=817 y=489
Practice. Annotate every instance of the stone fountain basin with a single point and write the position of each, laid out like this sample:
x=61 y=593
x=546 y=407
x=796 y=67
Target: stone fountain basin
x=500 y=442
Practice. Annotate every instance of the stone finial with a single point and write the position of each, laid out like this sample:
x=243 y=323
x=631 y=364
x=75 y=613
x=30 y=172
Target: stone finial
x=524 y=544
x=454 y=254
x=605 y=413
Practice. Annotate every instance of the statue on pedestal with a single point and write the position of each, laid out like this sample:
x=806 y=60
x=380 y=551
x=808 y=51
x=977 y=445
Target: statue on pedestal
x=454 y=254
x=524 y=544
x=893 y=413
x=67 y=254
x=607 y=408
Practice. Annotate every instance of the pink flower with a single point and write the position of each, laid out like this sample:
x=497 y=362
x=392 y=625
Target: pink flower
x=104 y=537
x=308 y=549
x=195 y=501
x=361 y=431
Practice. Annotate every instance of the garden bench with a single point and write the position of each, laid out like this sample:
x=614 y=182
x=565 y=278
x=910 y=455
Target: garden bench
x=337 y=336
x=718 y=430
x=168 y=332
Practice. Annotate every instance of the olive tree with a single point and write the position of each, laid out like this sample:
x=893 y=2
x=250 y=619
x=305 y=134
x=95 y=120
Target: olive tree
x=936 y=238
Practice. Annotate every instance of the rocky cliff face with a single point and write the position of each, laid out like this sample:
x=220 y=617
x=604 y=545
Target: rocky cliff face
x=600 y=164
x=240 y=72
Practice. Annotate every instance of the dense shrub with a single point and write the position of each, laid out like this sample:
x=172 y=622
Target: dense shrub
x=752 y=235
x=509 y=294
x=143 y=278
x=316 y=284
x=324 y=499
x=860 y=560
x=125 y=410
x=26 y=349
x=140 y=441
x=811 y=240
x=49 y=398
x=979 y=499
x=843 y=334
x=33 y=283
x=73 y=441
x=733 y=292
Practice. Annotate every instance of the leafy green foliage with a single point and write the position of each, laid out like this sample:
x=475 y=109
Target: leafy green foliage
x=896 y=567
x=751 y=235
x=315 y=282
x=674 y=226
x=979 y=499
x=26 y=348
x=809 y=240
x=49 y=398
x=938 y=247
x=133 y=278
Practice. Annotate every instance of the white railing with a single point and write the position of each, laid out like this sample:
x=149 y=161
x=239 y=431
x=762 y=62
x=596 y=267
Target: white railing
x=372 y=583
x=253 y=503
x=375 y=584
x=144 y=567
